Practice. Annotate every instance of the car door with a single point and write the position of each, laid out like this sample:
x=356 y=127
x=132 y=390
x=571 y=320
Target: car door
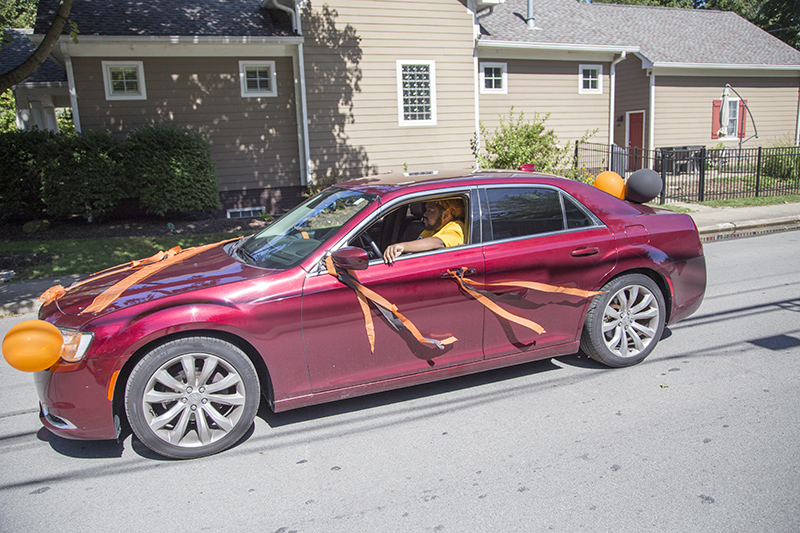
x=336 y=342
x=538 y=234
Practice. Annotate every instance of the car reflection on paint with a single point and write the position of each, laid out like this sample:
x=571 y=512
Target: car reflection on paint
x=181 y=348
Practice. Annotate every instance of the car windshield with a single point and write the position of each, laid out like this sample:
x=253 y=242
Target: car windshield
x=297 y=234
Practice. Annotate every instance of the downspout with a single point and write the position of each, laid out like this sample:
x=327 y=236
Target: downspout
x=300 y=67
x=73 y=94
x=651 y=123
x=476 y=78
x=797 y=127
x=612 y=111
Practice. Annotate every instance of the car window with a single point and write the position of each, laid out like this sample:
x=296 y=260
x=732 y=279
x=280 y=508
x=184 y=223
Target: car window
x=576 y=217
x=297 y=234
x=404 y=223
x=523 y=211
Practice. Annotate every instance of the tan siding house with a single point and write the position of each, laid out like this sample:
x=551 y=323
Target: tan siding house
x=292 y=92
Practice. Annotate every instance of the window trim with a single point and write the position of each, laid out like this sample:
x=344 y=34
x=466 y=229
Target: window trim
x=425 y=122
x=273 y=79
x=110 y=95
x=504 y=88
x=736 y=134
x=581 y=78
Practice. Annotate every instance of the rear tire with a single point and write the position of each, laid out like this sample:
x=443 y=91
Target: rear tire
x=624 y=324
x=192 y=397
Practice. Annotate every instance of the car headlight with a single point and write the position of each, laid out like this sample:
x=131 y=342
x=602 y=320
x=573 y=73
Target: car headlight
x=75 y=344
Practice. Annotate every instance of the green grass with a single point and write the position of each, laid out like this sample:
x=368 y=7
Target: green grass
x=751 y=202
x=84 y=256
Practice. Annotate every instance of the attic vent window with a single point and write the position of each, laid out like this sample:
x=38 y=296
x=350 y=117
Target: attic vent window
x=257 y=78
x=416 y=88
x=591 y=79
x=124 y=80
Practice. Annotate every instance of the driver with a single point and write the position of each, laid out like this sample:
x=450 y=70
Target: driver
x=444 y=227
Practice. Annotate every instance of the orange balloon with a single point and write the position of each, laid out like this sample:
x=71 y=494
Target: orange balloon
x=612 y=183
x=32 y=346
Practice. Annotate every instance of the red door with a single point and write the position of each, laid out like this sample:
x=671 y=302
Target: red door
x=337 y=347
x=635 y=139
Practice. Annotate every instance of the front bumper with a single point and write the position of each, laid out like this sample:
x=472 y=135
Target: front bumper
x=75 y=404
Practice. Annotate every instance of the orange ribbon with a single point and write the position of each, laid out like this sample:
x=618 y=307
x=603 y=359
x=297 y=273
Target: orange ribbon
x=349 y=278
x=149 y=266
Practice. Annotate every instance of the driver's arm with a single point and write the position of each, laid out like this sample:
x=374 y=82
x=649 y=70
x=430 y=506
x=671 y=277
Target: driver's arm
x=394 y=251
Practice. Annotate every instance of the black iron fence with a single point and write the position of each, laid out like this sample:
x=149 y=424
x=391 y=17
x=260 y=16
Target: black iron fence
x=697 y=173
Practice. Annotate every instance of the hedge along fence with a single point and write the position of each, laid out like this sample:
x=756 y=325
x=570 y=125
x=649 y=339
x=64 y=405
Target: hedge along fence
x=168 y=170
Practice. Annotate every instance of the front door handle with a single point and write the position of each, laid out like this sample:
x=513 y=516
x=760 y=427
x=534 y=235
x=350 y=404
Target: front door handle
x=467 y=272
x=583 y=252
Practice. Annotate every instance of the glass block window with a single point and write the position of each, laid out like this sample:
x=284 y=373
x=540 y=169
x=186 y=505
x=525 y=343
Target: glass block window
x=124 y=80
x=493 y=78
x=591 y=79
x=416 y=83
x=257 y=78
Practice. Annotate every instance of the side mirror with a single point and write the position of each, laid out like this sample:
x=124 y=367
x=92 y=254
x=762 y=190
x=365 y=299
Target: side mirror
x=350 y=258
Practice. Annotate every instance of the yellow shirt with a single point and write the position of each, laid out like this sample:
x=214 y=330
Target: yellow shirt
x=451 y=234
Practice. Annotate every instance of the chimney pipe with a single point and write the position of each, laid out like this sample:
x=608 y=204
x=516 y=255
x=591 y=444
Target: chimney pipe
x=530 y=19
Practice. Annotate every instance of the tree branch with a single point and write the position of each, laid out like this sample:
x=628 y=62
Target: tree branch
x=40 y=55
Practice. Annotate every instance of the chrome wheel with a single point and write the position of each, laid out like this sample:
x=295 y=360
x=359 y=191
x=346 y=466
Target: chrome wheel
x=625 y=322
x=192 y=397
x=630 y=321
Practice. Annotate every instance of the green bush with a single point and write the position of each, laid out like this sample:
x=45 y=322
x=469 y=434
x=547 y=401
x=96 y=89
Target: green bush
x=517 y=141
x=170 y=170
x=21 y=154
x=82 y=175
x=780 y=162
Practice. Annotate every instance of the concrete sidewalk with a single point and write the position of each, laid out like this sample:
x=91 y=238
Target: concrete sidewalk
x=18 y=297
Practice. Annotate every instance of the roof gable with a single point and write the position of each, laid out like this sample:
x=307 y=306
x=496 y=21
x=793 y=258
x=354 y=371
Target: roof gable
x=663 y=35
x=212 y=18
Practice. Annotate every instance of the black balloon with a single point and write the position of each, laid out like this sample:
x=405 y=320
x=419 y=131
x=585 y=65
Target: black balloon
x=642 y=186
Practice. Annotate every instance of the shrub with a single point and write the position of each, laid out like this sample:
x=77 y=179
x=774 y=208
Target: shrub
x=517 y=141
x=21 y=154
x=82 y=175
x=782 y=163
x=170 y=170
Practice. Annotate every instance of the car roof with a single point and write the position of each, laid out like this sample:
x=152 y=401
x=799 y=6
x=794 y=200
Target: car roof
x=399 y=183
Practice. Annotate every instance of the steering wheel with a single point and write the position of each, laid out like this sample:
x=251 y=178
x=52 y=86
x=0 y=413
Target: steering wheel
x=371 y=244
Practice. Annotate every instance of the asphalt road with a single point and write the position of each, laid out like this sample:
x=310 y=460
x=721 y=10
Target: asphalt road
x=702 y=436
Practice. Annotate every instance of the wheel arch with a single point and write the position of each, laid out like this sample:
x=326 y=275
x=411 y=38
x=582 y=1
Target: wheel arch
x=658 y=278
x=118 y=401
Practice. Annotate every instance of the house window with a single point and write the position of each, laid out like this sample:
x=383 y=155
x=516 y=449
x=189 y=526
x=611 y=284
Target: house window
x=735 y=126
x=591 y=79
x=493 y=78
x=416 y=88
x=257 y=78
x=124 y=80
x=732 y=129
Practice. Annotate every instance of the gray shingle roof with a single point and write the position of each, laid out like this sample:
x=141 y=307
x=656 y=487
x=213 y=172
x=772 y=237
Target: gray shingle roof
x=209 y=18
x=663 y=35
x=19 y=49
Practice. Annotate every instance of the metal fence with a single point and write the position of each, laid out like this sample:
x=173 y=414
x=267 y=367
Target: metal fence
x=697 y=173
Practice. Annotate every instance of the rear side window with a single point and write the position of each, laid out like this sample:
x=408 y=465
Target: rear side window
x=520 y=212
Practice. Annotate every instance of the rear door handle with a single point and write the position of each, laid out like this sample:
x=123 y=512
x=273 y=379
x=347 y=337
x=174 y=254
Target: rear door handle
x=583 y=252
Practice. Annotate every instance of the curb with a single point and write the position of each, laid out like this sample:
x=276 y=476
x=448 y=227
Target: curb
x=730 y=230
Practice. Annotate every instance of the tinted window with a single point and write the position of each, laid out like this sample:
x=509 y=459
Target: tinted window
x=576 y=218
x=524 y=211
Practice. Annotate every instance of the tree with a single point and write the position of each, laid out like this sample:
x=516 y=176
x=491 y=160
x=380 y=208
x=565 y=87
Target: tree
x=38 y=57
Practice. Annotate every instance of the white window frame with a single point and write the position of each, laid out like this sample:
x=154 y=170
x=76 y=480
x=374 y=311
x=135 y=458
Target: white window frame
x=581 y=77
x=107 y=67
x=735 y=118
x=504 y=81
x=432 y=96
x=255 y=93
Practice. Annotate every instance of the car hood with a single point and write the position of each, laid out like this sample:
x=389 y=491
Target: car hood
x=207 y=269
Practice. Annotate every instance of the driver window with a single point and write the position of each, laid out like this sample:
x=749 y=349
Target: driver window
x=412 y=221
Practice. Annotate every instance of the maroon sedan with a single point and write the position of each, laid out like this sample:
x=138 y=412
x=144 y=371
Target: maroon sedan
x=181 y=346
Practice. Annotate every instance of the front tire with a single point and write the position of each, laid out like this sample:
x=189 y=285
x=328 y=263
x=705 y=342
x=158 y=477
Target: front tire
x=192 y=397
x=624 y=324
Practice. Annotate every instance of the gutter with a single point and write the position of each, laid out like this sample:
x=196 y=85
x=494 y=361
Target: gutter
x=612 y=96
x=524 y=45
